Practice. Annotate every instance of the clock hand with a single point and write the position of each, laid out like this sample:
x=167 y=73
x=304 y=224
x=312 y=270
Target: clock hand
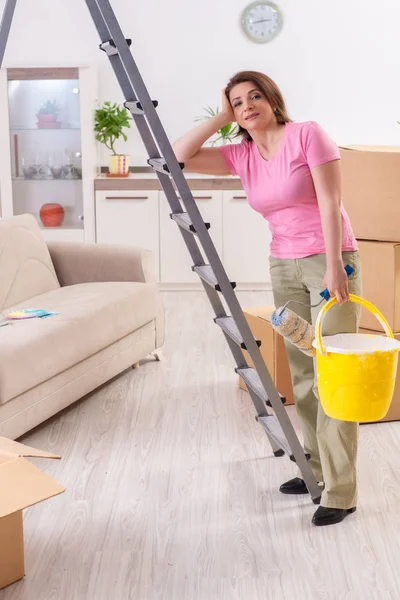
x=261 y=21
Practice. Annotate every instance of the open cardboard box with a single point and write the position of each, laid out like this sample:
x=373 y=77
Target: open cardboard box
x=21 y=485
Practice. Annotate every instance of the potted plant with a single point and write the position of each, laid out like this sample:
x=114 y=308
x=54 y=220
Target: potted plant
x=224 y=135
x=47 y=115
x=110 y=120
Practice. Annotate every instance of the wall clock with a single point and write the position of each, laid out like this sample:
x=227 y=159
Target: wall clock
x=262 y=21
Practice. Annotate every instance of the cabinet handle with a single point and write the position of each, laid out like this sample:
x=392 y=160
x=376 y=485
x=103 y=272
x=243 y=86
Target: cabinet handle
x=239 y=197
x=127 y=197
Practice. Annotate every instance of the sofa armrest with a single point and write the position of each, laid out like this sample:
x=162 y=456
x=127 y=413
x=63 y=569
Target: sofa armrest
x=77 y=262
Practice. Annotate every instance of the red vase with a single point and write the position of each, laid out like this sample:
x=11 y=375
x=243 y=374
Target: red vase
x=52 y=214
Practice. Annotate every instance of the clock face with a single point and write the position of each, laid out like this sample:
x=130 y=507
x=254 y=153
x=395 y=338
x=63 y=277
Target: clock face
x=262 y=21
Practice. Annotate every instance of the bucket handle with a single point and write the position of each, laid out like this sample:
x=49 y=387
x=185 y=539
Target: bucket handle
x=357 y=300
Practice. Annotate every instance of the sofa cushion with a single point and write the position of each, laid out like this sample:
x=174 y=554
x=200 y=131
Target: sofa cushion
x=26 y=269
x=92 y=316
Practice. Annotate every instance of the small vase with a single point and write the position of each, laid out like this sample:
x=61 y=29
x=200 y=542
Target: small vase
x=118 y=165
x=52 y=214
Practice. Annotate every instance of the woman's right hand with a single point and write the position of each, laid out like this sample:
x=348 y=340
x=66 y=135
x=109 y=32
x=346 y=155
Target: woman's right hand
x=227 y=108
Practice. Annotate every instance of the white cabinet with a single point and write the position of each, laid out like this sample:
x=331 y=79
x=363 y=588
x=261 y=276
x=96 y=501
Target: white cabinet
x=141 y=217
x=175 y=260
x=129 y=217
x=246 y=240
x=63 y=234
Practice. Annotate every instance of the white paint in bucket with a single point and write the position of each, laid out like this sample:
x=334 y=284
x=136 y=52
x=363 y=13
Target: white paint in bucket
x=357 y=343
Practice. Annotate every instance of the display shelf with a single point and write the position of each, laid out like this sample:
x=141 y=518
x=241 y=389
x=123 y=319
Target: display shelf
x=60 y=101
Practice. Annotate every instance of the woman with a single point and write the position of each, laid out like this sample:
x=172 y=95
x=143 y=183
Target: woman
x=291 y=175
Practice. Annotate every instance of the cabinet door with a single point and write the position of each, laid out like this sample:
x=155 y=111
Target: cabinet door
x=129 y=217
x=48 y=148
x=246 y=238
x=176 y=262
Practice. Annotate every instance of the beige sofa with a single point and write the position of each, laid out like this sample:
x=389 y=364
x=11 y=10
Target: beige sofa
x=110 y=317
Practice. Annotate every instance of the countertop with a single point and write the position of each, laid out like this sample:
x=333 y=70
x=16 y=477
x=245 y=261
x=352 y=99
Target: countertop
x=149 y=181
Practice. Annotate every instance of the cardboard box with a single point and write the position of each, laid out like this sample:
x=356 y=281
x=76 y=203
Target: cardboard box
x=394 y=410
x=22 y=485
x=272 y=350
x=371 y=191
x=380 y=265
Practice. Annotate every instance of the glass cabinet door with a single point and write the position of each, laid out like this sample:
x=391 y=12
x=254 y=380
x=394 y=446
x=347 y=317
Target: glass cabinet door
x=45 y=134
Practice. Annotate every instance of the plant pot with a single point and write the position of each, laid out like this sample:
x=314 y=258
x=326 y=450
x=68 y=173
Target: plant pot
x=47 y=121
x=118 y=165
x=52 y=214
x=42 y=117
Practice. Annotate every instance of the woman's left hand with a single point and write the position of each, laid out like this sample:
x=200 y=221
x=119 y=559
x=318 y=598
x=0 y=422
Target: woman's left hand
x=337 y=282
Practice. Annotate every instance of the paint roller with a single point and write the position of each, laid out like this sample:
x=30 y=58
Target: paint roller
x=295 y=329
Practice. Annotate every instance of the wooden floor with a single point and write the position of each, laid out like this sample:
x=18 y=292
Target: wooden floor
x=172 y=492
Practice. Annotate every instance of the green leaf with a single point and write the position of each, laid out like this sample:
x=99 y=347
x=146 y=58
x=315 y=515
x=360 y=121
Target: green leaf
x=49 y=108
x=210 y=111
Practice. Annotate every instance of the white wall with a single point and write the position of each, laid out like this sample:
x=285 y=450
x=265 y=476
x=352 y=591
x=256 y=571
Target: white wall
x=336 y=62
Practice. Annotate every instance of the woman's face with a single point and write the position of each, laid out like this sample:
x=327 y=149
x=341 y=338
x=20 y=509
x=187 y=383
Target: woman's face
x=252 y=110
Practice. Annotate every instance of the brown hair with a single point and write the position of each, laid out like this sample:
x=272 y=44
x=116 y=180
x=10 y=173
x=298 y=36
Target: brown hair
x=270 y=91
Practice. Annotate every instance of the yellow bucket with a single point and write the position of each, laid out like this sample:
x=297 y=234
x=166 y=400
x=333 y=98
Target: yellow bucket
x=356 y=372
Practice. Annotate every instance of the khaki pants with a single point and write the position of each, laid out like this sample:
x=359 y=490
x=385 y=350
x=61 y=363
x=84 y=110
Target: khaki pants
x=332 y=444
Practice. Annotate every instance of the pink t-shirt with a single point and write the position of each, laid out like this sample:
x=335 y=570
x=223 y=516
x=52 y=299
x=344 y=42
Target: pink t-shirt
x=282 y=189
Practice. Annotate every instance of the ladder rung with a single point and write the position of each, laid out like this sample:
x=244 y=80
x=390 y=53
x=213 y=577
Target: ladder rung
x=253 y=381
x=135 y=107
x=228 y=325
x=160 y=165
x=206 y=273
x=306 y=454
x=110 y=48
x=184 y=221
x=283 y=400
x=275 y=431
x=269 y=422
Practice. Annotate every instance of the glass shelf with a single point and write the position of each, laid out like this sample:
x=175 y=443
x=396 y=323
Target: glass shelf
x=62 y=227
x=47 y=180
x=45 y=129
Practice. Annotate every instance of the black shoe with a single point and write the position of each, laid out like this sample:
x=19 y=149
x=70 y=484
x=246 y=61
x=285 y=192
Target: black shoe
x=297 y=486
x=330 y=516
x=294 y=486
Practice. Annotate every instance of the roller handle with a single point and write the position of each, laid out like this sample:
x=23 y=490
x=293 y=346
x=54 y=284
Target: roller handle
x=325 y=294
